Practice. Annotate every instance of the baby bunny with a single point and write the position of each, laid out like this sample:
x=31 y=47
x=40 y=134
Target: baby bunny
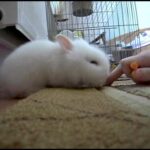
x=62 y=63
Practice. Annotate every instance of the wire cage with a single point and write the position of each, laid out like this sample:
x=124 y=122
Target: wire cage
x=110 y=25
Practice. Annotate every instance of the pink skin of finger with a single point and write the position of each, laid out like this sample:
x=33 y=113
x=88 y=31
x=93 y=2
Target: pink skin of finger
x=115 y=74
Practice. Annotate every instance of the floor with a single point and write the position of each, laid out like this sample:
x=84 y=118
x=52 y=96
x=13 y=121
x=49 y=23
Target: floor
x=123 y=84
x=111 y=117
x=6 y=103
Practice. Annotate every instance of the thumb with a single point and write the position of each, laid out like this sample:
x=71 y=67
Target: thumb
x=141 y=75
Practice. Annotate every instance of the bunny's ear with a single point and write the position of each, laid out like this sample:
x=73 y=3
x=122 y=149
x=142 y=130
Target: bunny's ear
x=64 y=42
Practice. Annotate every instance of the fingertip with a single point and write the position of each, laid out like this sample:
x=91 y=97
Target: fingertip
x=108 y=82
x=114 y=75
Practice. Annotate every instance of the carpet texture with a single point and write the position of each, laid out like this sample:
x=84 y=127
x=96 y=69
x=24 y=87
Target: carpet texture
x=141 y=90
x=73 y=118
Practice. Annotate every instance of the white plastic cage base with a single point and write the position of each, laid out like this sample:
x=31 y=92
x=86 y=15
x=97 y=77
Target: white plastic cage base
x=28 y=17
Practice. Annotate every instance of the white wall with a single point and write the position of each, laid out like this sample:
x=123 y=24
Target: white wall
x=143 y=10
x=32 y=19
x=28 y=16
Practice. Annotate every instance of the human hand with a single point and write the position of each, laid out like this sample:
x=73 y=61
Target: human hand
x=139 y=75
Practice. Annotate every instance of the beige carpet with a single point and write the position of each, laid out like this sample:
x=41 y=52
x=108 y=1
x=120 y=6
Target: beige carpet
x=70 y=118
x=131 y=87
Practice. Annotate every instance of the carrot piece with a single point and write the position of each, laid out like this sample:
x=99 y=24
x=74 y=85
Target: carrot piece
x=134 y=65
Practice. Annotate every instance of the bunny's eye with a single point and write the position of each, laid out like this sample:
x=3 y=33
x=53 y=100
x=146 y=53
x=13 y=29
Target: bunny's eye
x=94 y=62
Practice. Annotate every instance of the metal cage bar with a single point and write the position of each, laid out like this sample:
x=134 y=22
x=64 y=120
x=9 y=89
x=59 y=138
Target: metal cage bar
x=112 y=26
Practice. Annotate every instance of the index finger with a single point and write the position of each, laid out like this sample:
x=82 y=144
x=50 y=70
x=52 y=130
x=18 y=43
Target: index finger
x=114 y=75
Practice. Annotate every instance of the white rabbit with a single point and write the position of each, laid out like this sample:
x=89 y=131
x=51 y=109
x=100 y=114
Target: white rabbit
x=63 y=63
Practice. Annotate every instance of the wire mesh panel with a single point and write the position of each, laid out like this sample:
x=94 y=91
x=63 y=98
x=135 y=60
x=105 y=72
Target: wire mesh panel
x=111 y=25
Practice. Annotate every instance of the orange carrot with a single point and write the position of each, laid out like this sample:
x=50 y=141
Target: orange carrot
x=134 y=65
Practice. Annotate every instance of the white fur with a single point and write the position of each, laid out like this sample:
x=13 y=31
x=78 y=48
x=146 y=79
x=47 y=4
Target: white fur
x=41 y=63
